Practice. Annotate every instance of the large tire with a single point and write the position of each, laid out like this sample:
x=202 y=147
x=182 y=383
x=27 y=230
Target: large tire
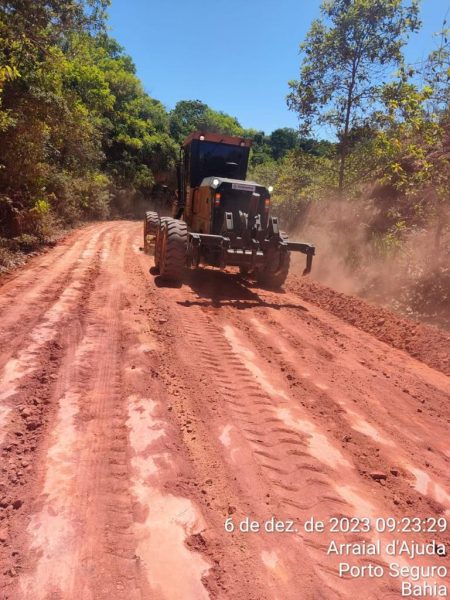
x=151 y=225
x=172 y=258
x=273 y=275
x=158 y=241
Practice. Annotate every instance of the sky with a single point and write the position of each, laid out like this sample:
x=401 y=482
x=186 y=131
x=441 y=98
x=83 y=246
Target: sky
x=237 y=56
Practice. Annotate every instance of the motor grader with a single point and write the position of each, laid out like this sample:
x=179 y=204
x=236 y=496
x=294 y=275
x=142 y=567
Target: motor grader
x=219 y=218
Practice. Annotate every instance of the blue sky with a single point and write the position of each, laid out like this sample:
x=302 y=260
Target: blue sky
x=235 y=55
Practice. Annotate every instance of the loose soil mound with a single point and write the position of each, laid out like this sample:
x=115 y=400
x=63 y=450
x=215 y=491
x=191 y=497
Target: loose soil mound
x=428 y=344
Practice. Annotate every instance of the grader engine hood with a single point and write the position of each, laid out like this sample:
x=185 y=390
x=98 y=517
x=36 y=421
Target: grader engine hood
x=242 y=199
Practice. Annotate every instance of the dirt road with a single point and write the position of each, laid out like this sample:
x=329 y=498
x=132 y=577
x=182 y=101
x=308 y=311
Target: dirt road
x=135 y=419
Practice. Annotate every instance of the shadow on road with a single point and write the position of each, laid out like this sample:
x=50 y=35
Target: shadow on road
x=218 y=289
x=160 y=282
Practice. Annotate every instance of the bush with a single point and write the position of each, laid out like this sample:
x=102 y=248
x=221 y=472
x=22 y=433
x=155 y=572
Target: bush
x=26 y=243
x=6 y=259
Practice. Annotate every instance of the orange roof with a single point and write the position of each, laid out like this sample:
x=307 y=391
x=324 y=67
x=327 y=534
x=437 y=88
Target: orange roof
x=218 y=137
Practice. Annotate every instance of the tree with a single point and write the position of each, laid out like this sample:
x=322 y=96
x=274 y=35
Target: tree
x=184 y=118
x=75 y=122
x=136 y=140
x=192 y=115
x=219 y=122
x=282 y=140
x=261 y=151
x=346 y=55
x=437 y=71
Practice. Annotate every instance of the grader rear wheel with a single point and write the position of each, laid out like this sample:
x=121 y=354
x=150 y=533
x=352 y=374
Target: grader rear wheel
x=151 y=224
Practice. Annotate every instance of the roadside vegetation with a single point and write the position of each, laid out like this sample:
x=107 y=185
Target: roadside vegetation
x=76 y=126
x=80 y=139
x=379 y=204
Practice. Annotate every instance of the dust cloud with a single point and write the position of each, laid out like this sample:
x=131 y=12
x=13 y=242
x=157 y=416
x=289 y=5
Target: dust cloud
x=357 y=256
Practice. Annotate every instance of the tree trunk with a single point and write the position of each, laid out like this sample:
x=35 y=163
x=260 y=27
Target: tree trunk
x=348 y=110
x=342 y=168
x=344 y=142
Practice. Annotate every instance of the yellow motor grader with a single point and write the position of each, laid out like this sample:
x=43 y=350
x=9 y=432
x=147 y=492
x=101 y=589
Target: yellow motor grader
x=219 y=218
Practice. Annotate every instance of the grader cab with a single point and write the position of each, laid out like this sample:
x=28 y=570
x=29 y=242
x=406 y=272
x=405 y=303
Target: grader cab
x=220 y=219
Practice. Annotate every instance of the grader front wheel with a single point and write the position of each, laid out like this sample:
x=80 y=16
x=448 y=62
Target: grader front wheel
x=158 y=241
x=172 y=249
x=275 y=271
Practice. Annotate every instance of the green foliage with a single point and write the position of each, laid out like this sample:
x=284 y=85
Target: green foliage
x=266 y=173
x=282 y=141
x=185 y=118
x=261 y=151
x=437 y=71
x=298 y=179
x=411 y=152
x=193 y=115
x=75 y=122
x=346 y=55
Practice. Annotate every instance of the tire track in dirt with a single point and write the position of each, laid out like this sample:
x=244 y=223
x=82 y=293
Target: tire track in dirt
x=164 y=518
x=258 y=445
x=319 y=464
x=39 y=283
x=343 y=380
x=77 y=533
x=385 y=427
x=29 y=343
x=202 y=475
x=28 y=398
x=98 y=524
x=386 y=450
x=319 y=441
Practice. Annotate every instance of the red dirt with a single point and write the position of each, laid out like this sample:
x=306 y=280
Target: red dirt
x=428 y=344
x=135 y=419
